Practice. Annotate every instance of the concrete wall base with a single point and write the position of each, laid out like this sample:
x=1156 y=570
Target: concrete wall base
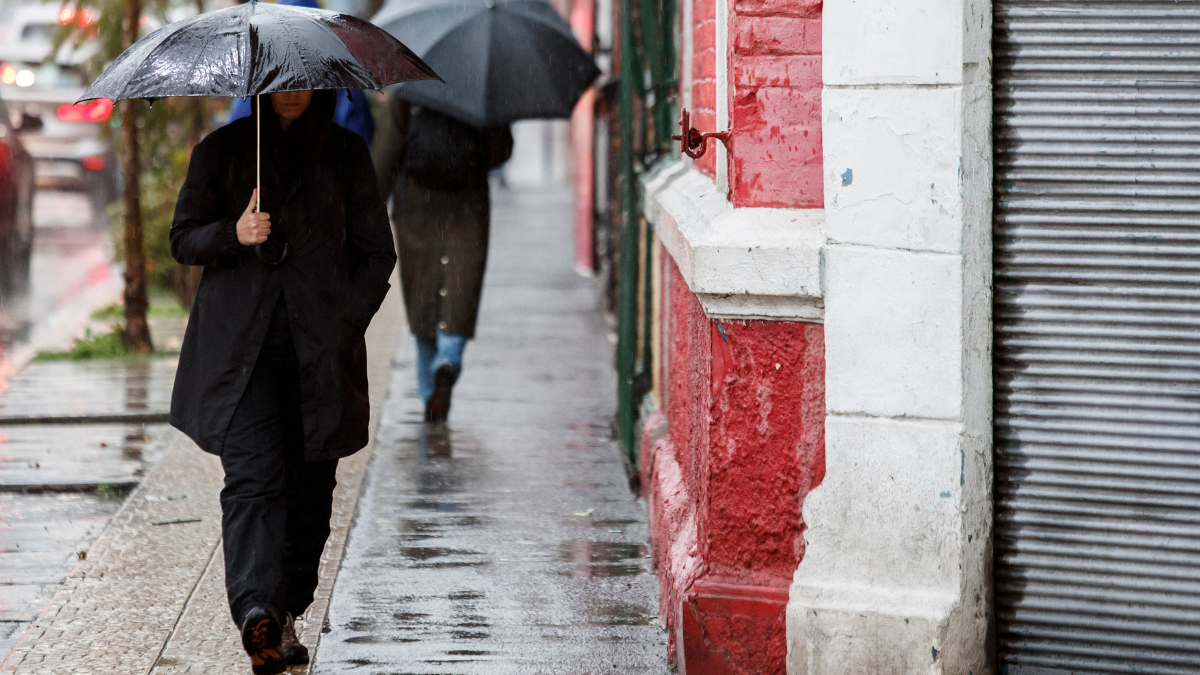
x=903 y=638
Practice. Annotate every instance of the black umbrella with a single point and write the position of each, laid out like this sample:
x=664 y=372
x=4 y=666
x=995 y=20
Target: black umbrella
x=501 y=60
x=255 y=49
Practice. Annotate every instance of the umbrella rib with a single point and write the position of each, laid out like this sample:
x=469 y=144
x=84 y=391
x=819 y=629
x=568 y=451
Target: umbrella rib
x=195 y=64
x=300 y=51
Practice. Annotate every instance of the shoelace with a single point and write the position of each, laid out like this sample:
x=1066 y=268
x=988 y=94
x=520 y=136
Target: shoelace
x=289 y=631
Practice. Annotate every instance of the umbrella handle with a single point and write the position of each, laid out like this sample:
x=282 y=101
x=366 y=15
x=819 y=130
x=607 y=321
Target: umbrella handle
x=272 y=263
x=258 y=180
x=258 y=154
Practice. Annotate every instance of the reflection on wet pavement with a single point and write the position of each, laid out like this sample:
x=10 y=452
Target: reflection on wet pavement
x=506 y=541
x=76 y=388
x=73 y=456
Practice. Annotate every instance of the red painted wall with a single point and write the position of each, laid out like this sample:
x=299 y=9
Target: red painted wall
x=744 y=444
x=774 y=99
x=775 y=106
x=704 y=75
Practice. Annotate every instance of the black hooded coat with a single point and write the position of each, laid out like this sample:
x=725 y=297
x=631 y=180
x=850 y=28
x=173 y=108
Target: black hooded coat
x=319 y=186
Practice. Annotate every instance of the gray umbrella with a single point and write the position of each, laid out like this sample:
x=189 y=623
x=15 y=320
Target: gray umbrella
x=501 y=60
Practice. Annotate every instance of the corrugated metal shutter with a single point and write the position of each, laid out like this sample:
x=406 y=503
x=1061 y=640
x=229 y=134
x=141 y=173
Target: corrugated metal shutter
x=1097 y=336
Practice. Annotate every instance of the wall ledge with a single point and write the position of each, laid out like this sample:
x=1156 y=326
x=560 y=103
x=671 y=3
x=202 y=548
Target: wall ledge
x=742 y=263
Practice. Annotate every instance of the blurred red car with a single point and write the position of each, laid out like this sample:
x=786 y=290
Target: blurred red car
x=16 y=201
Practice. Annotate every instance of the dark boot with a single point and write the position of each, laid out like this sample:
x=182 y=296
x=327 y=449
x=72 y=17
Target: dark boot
x=437 y=408
x=294 y=653
x=261 y=632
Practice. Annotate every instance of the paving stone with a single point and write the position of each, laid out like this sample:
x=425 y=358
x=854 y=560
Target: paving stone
x=40 y=539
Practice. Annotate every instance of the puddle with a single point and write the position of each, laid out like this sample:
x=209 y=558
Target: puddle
x=602 y=559
x=431 y=552
x=449 y=565
x=600 y=551
x=622 y=614
x=435 y=505
x=379 y=639
x=611 y=524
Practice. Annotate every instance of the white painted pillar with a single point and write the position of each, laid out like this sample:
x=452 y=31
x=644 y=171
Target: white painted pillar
x=896 y=576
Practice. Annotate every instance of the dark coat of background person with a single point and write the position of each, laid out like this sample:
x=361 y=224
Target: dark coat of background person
x=340 y=256
x=436 y=167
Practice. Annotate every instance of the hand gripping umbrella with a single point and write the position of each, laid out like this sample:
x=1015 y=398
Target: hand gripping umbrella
x=255 y=49
x=501 y=60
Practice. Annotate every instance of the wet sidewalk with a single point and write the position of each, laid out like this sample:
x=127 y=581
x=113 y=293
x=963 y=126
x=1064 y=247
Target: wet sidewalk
x=507 y=541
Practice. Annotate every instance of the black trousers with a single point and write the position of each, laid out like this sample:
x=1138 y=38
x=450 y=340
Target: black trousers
x=275 y=506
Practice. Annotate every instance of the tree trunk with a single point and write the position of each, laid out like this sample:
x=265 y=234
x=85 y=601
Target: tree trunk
x=137 y=331
x=187 y=277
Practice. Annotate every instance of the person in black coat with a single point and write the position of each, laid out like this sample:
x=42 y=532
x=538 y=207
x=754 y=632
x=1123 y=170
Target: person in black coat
x=273 y=371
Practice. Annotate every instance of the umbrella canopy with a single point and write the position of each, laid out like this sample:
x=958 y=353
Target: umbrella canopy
x=501 y=60
x=258 y=48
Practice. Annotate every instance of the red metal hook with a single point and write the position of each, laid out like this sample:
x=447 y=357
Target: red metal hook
x=697 y=141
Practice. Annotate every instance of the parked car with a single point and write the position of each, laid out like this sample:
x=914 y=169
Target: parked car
x=16 y=201
x=70 y=150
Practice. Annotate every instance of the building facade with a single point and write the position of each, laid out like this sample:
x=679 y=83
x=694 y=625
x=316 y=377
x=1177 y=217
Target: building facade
x=921 y=336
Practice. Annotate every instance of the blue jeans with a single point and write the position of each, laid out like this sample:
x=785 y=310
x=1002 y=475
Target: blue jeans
x=432 y=354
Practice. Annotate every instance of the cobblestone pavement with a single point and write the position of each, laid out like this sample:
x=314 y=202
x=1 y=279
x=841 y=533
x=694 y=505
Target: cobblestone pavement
x=507 y=541
x=40 y=540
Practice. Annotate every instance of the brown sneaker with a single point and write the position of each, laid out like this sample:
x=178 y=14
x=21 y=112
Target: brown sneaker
x=294 y=653
x=260 y=638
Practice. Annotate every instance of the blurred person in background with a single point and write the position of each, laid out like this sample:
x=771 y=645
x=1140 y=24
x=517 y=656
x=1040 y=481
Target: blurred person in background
x=435 y=168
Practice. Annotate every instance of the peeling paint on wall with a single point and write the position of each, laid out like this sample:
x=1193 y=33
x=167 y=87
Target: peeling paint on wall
x=775 y=103
x=744 y=445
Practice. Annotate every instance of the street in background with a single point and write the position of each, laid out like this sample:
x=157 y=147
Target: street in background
x=68 y=143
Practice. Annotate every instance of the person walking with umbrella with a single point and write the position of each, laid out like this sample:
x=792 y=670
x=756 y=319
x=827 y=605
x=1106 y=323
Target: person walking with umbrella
x=289 y=411
x=501 y=61
x=437 y=169
x=282 y=209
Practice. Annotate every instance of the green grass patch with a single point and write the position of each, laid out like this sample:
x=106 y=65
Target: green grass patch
x=160 y=308
x=113 y=311
x=91 y=346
